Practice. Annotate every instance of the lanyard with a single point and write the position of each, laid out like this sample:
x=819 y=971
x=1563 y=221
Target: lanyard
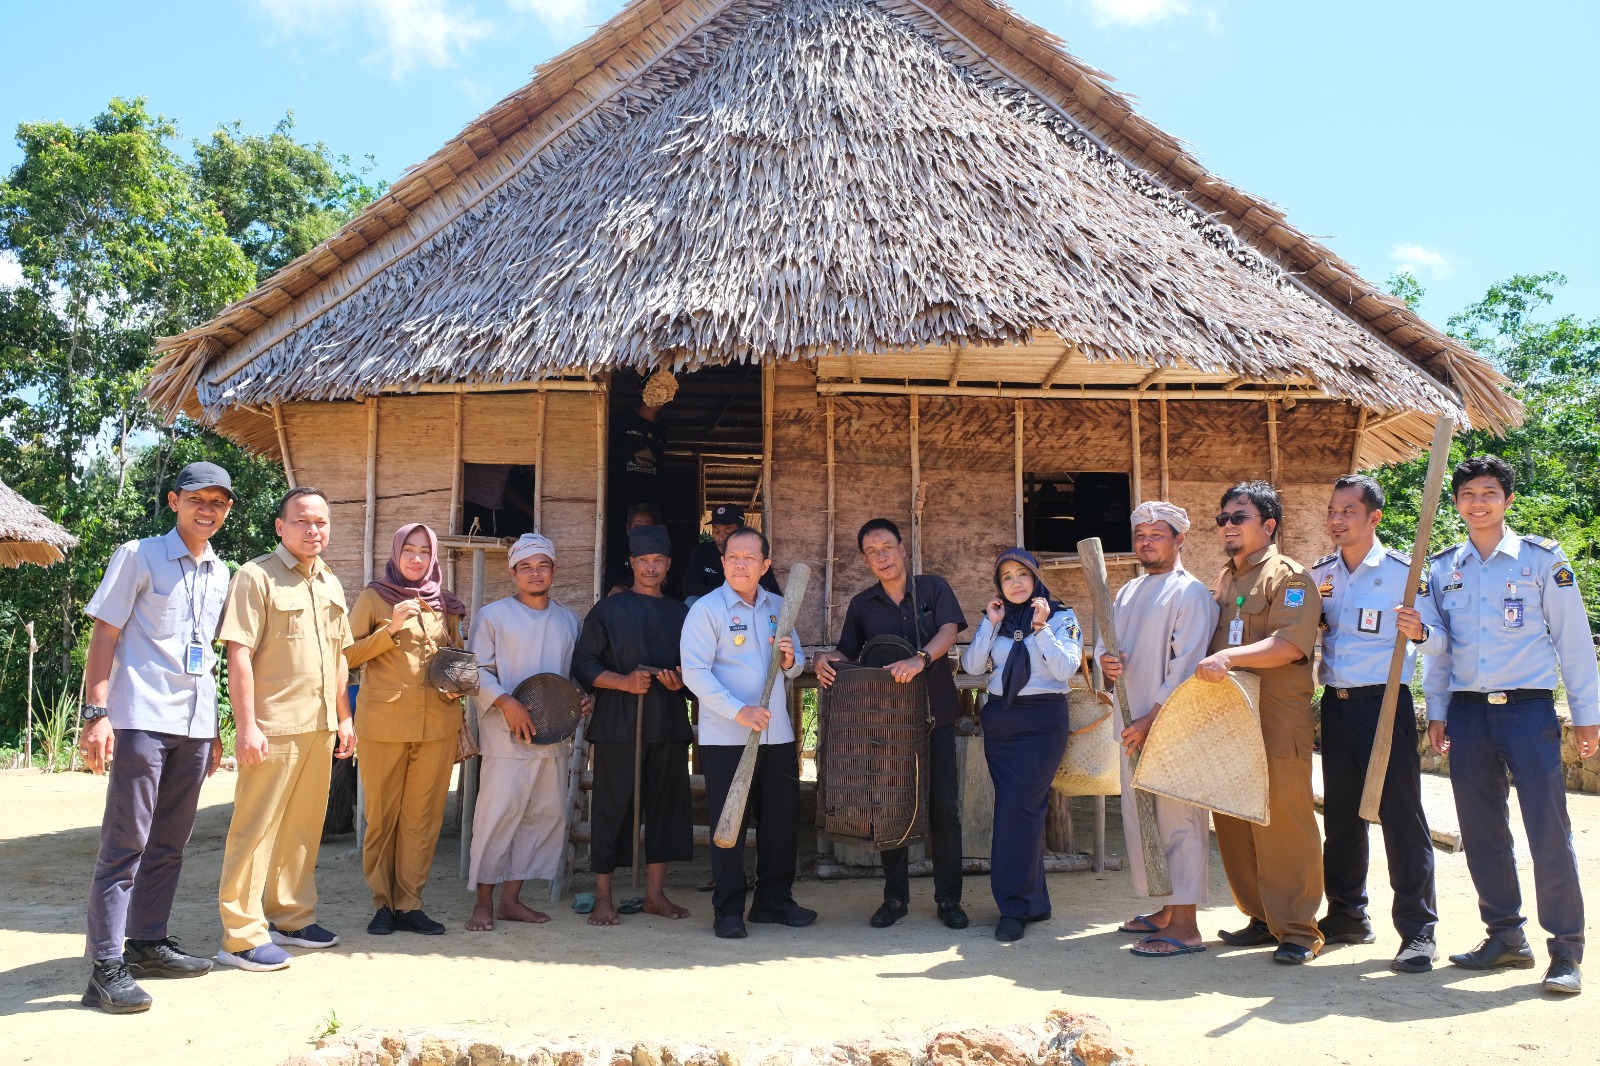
x=191 y=579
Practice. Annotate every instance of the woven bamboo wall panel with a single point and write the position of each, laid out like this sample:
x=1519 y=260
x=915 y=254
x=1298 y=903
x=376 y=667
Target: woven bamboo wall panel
x=500 y=428
x=800 y=492
x=570 y=454
x=416 y=449
x=328 y=446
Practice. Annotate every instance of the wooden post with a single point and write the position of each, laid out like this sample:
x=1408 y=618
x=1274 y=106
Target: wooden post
x=27 y=736
x=1016 y=465
x=1272 y=440
x=1058 y=835
x=768 y=394
x=1166 y=487
x=372 y=488
x=916 y=487
x=600 y=406
x=283 y=443
x=827 y=572
x=1137 y=480
x=469 y=768
x=538 y=466
x=457 y=474
x=1361 y=440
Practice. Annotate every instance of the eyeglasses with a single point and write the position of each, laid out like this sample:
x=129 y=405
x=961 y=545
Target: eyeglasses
x=1237 y=518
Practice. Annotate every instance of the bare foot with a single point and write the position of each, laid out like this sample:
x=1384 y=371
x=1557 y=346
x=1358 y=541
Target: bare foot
x=663 y=906
x=517 y=911
x=482 y=919
x=604 y=913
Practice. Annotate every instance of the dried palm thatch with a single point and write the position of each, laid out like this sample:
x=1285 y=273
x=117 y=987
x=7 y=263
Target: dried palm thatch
x=707 y=182
x=26 y=535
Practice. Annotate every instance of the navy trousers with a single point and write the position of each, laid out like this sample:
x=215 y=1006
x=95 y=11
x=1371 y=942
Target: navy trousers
x=151 y=797
x=774 y=810
x=1487 y=740
x=944 y=828
x=1023 y=745
x=1348 y=730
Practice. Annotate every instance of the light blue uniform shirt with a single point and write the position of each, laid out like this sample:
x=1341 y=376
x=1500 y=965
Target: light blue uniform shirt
x=1054 y=653
x=725 y=647
x=162 y=598
x=1358 y=618
x=1486 y=651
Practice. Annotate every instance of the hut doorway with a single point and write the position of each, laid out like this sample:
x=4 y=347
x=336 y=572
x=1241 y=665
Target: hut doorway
x=709 y=439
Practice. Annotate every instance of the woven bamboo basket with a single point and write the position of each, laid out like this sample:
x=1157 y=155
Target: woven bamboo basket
x=1206 y=748
x=1092 y=765
x=875 y=784
x=553 y=704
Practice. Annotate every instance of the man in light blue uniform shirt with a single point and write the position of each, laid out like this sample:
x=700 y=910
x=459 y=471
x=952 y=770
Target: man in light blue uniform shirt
x=1361 y=585
x=1513 y=615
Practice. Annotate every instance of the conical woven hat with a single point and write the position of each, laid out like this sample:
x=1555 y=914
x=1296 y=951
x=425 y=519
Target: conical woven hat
x=1205 y=748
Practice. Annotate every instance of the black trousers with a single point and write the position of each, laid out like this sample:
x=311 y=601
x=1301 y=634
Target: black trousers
x=1348 y=729
x=944 y=828
x=663 y=806
x=774 y=810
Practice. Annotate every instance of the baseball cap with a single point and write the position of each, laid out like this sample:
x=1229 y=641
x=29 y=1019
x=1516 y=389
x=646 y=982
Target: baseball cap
x=726 y=514
x=203 y=476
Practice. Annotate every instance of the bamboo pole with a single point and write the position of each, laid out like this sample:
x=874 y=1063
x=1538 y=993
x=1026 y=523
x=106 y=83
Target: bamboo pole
x=27 y=736
x=1272 y=441
x=1361 y=440
x=600 y=411
x=372 y=488
x=538 y=466
x=469 y=768
x=1166 y=484
x=457 y=474
x=283 y=444
x=1137 y=478
x=827 y=571
x=768 y=394
x=916 y=486
x=1016 y=467
x=837 y=387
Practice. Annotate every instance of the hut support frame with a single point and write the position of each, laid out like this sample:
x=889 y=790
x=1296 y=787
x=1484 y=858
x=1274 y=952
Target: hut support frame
x=1016 y=466
x=1166 y=491
x=916 y=485
x=1136 y=479
x=283 y=444
x=1361 y=439
x=469 y=769
x=827 y=570
x=600 y=405
x=1272 y=442
x=538 y=466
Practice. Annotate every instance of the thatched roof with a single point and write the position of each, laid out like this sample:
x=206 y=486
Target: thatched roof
x=26 y=535
x=704 y=182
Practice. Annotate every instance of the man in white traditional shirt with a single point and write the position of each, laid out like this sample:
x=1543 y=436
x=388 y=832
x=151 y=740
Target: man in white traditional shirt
x=1164 y=619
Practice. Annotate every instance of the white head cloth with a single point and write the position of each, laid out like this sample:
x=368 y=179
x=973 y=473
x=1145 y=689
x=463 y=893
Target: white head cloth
x=1161 y=511
x=530 y=544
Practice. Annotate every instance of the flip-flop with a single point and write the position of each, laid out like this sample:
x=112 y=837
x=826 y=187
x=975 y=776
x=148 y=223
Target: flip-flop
x=631 y=906
x=583 y=902
x=1182 y=948
x=1144 y=920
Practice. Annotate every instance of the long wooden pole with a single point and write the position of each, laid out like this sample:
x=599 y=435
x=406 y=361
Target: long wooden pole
x=1272 y=442
x=916 y=486
x=1361 y=440
x=600 y=410
x=1016 y=466
x=469 y=768
x=1166 y=488
x=1157 y=875
x=27 y=736
x=457 y=472
x=283 y=444
x=372 y=489
x=1383 y=739
x=768 y=395
x=1137 y=479
x=538 y=467
x=827 y=572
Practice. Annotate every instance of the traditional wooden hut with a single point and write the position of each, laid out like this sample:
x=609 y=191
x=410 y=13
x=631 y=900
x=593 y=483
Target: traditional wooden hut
x=26 y=535
x=907 y=257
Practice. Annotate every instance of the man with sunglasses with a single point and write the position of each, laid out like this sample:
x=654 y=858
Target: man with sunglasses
x=1267 y=624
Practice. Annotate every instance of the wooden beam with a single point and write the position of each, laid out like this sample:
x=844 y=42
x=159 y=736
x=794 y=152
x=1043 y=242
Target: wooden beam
x=827 y=572
x=1074 y=392
x=601 y=410
x=283 y=444
x=538 y=466
x=1154 y=376
x=1016 y=466
x=1361 y=439
x=1272 y=441
x=1060 y=367
x=1166 y=486
x=916 y=486
x=457 y=473
x=769 y=392
x=372 y=489
x=955 y=367
x=1137 y=480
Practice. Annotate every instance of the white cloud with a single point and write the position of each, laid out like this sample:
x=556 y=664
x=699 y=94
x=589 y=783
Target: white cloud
x=1414 y=259
x=10 y=271
x=564 y=19
x=410 y=33
x=1136 y=12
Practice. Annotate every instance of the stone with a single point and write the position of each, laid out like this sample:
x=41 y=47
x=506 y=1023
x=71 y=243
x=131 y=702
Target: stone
x=977 y=1047
x=646 y=1055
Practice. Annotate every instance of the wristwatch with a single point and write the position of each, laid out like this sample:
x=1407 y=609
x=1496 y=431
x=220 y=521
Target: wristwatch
x=90 y=712
x=927 y=660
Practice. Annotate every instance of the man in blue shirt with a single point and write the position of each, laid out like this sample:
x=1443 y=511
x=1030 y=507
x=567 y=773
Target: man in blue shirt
x=1513 y=616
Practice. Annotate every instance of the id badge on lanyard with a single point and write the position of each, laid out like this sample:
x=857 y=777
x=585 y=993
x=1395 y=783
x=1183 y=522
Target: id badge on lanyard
x=194 y=658
x=1512 y=608
x=1236 y=627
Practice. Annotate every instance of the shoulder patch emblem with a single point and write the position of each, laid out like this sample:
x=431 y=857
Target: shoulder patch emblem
x=1549 y=544
x=1423 y=588
x=1294 y=597
x=1563 y=576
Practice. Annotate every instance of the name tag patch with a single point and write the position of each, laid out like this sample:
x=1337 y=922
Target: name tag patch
x=1236 y=632
x=1513 y=614
x=1368 y=619
x=1294 y=597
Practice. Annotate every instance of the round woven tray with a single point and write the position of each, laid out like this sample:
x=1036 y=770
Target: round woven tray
x=553 y=704
x=1206 y=748
x=454 y=670
x=885 y=649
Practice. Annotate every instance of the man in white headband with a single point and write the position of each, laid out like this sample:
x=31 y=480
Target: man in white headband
x=519 y=824
x=1164 y=620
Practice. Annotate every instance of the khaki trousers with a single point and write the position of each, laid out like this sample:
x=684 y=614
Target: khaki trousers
x=269 y=866
x=1275 y=871
x=406 y=783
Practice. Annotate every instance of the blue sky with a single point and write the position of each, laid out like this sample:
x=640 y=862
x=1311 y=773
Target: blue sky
x=1460 y=139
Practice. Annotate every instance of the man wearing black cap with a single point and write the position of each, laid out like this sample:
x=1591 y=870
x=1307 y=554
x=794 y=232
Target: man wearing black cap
x=151 y=700
x=628 y=649
x=704 y=571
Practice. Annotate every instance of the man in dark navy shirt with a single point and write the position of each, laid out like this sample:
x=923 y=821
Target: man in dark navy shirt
x=704 y=570
x=928 y=616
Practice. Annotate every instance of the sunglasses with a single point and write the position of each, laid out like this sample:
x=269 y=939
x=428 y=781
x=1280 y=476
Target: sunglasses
x=1237 y=518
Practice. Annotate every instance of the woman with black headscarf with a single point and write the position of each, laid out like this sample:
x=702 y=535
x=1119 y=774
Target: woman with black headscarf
x=1034 y=646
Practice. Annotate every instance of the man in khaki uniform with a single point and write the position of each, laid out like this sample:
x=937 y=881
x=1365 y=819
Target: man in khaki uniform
x=1267 y=624
x=286 y=630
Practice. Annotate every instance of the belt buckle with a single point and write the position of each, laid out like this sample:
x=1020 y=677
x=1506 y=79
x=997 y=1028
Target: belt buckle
x=1498 y=698
x=1342 y=693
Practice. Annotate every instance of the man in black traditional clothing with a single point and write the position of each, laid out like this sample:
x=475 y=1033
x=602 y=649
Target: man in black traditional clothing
x=629 y=647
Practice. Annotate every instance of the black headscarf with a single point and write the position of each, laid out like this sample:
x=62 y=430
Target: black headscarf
x=1017 y=623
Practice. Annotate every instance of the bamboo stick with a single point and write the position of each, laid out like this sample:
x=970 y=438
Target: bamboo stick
x=27 y=735
x=1166 y=485
x=834 y=387
x=538 y=466
x=457 y=474
x=916 y=486
x=1137 y=478
x=600 y=412
x=768 y=394
x=283 y=444
x=1016 y=467
x=1272 y=441
x=469 y=768
x=372 y=488
x=827 y=571
x=1361 y=439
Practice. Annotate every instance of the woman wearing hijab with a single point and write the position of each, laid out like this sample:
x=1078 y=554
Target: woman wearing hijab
x=408 y=728
x=1034 y=645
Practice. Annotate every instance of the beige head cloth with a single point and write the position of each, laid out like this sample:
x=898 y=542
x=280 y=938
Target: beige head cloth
x=1205 y=748
x=1160 y=511
x=660 y=389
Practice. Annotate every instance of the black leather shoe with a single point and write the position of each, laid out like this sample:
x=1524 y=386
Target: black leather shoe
x=788 y=913
x=1495 y=954
x=1293 y=954
x=1563 y=976
x=1251 y=936
x=953 y=916
x=113 y=989
x=730 y=927
x=891 y=911
x=382 y=923
x=1345 y=929
x=162 y=958
x=417 y=922
x=1009 y=929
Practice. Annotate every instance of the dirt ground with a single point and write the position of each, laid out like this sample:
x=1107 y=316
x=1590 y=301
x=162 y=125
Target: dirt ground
x=654 y=979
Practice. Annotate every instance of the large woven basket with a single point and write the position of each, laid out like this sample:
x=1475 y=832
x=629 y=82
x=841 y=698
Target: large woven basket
x=1205 y=748
x=874 y=789
x=1092 y=765
x=553 y=704
x=454 y=670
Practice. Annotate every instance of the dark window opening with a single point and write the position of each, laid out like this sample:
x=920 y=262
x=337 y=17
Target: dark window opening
x=1058 y=510
x=497 y=499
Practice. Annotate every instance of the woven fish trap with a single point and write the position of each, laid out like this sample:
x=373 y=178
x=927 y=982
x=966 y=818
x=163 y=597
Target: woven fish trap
x=875 y=754
x=1205 y=748
x=454 y=670
x=1092 y=764
x=884 y=649
x=553 y=704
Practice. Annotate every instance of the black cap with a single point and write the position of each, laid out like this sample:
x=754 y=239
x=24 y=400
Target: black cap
x=726 y=514
x=649 y=540
x=203 y=476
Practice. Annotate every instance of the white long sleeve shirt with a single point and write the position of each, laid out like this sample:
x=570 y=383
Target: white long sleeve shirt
x=725 y=648
x=1054 y=653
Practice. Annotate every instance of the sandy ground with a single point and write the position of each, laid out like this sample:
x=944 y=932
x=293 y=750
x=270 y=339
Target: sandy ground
x=654 y=979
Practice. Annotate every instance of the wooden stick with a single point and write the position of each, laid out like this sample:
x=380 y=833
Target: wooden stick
x=827 y=572
x=1016 y=465
x=769 y=389
x=27 y=741
x=283 y=443
x=457 y=474
x=469 y=768
x=538 y=467
x=1137 y=479
x=638 y=778
x=1166 y=490
x=601 y=411
x=727 y=834
x=916 y=485
x=1361 y=439
x=1155 y=859
x=1272 y=442
x=372 y=488
x=1383 y=740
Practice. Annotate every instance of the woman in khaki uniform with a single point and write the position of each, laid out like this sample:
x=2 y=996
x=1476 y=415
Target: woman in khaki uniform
x=408 y=728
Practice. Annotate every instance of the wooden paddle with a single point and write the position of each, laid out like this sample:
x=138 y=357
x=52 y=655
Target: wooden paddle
x=1157 y=877
x=1383 y=740
x=729 y=826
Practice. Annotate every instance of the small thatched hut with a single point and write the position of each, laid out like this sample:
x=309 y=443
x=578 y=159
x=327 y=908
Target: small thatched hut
x=908 y=257
x=26 y=535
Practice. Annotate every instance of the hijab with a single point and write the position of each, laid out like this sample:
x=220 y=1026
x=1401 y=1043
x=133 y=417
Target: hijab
x=393 y=586
x=1017 y=623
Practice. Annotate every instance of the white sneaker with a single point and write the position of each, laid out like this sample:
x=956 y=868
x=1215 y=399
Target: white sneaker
x=261 y=958
x=1417 y=956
